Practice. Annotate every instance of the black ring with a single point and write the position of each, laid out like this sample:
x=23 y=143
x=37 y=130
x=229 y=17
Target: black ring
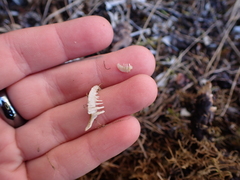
x=8 y=113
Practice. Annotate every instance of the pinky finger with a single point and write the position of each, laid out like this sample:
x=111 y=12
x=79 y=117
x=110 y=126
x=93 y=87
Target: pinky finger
x=77 y=157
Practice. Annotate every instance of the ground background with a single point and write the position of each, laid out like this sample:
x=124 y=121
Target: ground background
x=192 y=130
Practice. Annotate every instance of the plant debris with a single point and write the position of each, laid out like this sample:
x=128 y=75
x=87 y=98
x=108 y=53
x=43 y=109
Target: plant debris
x=193 y=42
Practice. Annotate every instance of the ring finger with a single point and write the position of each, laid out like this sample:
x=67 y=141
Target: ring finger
x=66 y=122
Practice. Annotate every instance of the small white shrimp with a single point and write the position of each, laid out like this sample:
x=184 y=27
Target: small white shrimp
x=94 y=105
x=125 y=67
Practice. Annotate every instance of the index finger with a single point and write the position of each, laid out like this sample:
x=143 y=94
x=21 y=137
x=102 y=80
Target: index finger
x=32 y=50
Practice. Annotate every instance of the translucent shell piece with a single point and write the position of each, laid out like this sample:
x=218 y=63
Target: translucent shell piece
x=125 y=67
x=95 y=105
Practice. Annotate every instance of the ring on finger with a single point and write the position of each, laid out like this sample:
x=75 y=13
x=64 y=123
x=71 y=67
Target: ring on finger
x=8 y=113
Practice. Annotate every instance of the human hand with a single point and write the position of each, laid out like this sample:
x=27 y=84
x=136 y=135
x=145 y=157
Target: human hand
x=53 y=143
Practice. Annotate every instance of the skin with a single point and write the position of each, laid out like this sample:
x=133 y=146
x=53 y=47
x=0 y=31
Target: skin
x=52 y=97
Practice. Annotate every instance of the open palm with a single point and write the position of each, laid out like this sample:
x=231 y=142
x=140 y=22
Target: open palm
x=52 y=97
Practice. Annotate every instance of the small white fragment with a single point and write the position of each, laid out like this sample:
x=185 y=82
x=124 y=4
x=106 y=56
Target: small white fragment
x=161 y=79
x=125 y=67
x=95 y=105
x=207 y=40
x=167 y=40
x=203 y=82
x=213 y=108
x=169 y=61
x=185 y=113
x=236 y=29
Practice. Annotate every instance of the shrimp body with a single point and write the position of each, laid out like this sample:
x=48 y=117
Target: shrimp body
x=124 y=68
x=95 y=105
